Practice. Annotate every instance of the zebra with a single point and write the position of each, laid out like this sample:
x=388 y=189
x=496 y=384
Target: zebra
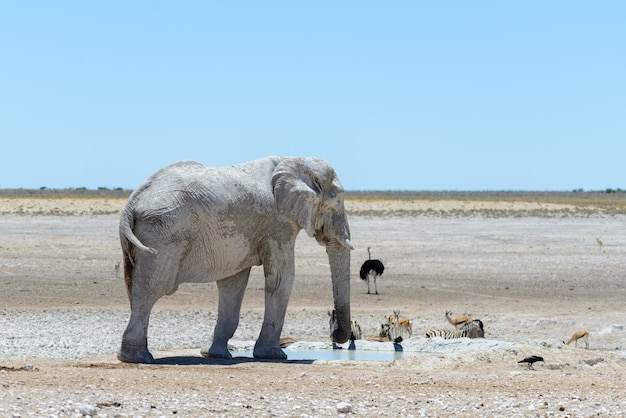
x=472 y=329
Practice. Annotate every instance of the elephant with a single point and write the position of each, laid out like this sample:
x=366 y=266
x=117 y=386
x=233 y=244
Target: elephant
x=192 y=223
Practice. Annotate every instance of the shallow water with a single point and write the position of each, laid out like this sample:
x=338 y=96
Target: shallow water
x=330 y=354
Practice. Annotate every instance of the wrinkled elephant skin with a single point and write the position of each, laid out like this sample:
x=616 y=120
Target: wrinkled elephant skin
x=192 y=223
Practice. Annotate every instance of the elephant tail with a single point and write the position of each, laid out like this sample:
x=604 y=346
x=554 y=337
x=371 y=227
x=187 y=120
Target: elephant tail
x=128 y=237
x=127 y=222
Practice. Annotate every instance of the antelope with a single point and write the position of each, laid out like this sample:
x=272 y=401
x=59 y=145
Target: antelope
x=459 y=321
x=403 y=325
x=117 y=269
x=285 y=342
x=579 y=335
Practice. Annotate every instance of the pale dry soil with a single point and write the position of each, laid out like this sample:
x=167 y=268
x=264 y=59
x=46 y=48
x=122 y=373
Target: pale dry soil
x=532 y=281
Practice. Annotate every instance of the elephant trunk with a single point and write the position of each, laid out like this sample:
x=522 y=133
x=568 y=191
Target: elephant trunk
x=339 y=259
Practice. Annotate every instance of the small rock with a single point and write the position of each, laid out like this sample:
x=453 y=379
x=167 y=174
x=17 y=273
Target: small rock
x=545 y=321
x=87 y=410
x=344 y=408
x=593 y=362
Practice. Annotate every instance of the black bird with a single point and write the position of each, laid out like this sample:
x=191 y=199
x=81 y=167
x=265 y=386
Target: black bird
x=530 y=360
x=371 y=268
x=396 y=344
x=351 y=346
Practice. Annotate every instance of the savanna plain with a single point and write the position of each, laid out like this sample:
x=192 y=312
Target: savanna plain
x=534 y=267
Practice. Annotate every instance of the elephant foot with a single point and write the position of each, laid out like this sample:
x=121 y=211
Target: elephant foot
x=134 y=353
x=217 y=351
x=269 y=352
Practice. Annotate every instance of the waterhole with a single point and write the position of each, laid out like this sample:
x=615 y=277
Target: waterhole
x=331 y=354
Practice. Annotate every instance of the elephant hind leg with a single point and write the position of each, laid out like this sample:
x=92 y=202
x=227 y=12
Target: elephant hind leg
x=231 y=291
x=151 y=279
x=134 y=347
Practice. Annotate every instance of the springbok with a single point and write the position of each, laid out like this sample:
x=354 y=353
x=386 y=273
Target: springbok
x=403 y=325
x=459 y=321
x=583 y=335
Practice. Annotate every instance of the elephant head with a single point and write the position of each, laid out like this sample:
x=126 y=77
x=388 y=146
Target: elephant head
x=307 y=191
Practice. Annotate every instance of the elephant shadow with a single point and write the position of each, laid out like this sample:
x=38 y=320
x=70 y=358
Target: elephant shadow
x=199 y=360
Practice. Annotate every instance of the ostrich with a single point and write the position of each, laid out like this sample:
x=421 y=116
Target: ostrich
x=371 y=268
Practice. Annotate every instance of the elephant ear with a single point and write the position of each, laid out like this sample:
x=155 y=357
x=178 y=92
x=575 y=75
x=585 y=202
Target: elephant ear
x=297 y=193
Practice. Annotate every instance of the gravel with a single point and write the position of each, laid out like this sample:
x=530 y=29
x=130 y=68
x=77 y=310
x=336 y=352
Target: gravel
x=532 y=282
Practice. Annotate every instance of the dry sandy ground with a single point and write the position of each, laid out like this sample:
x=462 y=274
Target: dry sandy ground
x=533 y=282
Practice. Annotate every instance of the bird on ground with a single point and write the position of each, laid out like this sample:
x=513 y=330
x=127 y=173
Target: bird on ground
x=371 y=269
x=396 y=344
x=600 y=243
x=530 y=360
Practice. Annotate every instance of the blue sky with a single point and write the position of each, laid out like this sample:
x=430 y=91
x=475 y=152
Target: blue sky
x=397 y=96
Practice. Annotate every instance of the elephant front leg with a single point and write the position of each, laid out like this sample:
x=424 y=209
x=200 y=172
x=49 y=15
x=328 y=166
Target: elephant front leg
x=231 y=291
x=276 y=298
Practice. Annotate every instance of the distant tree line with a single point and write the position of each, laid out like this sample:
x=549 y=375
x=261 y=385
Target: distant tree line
x=354 y=194
x=460 y=195
x=73 y=191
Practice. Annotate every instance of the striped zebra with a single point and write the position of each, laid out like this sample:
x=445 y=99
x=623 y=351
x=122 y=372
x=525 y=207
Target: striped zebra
x=355 y=331
x=472 y=329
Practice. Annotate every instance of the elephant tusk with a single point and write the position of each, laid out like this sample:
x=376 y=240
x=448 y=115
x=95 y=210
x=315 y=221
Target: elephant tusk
x=346 y=243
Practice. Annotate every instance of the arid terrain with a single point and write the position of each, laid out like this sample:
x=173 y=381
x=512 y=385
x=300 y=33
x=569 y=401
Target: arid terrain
x=533 y=271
